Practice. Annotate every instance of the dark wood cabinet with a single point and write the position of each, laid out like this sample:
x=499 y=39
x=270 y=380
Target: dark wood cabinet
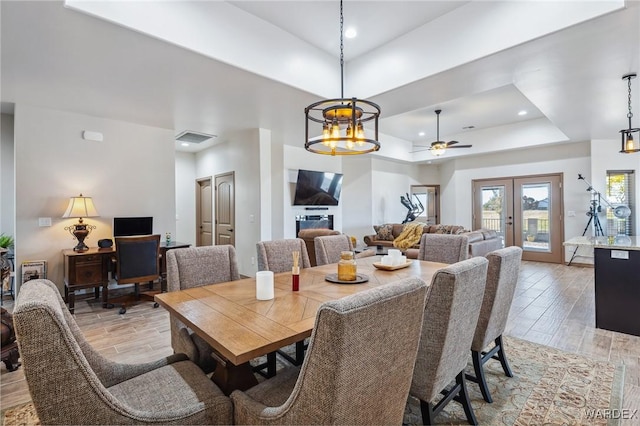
x=90 y=269
x=617 y=287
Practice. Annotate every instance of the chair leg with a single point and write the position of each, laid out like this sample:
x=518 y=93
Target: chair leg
x=427 y=413
x=480 y=378
x=502 y=357
x=464 y=399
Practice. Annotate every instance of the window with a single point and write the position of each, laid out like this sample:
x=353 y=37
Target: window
x=620 y=192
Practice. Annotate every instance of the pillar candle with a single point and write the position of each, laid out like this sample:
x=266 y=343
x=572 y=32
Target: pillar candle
x=264 y=285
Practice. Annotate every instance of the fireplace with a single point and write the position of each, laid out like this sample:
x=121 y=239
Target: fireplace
x=314 y=222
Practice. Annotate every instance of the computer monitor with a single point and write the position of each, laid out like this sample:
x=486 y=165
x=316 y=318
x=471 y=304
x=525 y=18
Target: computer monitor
x=128 y=226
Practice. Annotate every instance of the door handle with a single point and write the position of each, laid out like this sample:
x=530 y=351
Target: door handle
x=509 y=223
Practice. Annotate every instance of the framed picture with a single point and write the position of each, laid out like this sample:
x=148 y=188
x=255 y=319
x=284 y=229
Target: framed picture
x=33 y=270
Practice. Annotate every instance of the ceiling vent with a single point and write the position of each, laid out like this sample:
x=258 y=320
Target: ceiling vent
x=193 y=137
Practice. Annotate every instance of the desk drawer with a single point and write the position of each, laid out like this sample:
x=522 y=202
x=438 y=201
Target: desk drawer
x=91 y=258
x=88 y=273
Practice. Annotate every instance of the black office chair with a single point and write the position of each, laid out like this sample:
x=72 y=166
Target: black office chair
x=137 y=261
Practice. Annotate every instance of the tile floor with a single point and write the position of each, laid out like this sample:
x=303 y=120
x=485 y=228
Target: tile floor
x=553 y=305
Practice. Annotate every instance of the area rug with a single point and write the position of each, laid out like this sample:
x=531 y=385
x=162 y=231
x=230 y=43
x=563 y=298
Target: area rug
x=550 y=387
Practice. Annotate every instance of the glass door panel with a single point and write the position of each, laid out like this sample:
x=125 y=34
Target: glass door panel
x=493 y=208
x=535 y=216
x=538 y=226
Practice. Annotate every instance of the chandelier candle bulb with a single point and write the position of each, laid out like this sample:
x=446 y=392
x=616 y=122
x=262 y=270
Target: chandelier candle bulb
x=264 y=285
x=295 y=272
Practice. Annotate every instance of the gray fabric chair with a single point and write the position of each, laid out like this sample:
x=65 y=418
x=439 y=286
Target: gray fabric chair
x=308 y=236
x=444 y=248
x=328 y=248
x=358 y=368
x=71 y=383
x=195 y=267
x=451 y=315
x=276 y=255
x=502 y=277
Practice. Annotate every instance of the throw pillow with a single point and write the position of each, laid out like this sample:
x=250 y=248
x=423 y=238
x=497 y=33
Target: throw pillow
x=440 y=229
x=385 y=232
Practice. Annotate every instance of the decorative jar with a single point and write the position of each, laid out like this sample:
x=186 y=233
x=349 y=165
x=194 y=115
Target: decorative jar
x=347 y=266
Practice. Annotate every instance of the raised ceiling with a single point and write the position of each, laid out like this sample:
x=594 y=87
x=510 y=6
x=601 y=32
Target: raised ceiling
x=219 y=67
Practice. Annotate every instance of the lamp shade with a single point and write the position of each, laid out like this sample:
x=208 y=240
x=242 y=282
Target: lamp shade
x=81 y=207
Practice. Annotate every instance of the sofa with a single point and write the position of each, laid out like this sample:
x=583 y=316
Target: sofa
x=481 y=241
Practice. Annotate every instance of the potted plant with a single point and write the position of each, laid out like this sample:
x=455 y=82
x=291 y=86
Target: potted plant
x=6 y=241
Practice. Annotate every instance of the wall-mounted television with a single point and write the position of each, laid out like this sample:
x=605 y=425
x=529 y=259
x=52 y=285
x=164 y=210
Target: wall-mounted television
x=317 y=188
x=130 y=226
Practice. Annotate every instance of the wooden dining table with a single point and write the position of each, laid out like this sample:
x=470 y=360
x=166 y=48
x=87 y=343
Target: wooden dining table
x=240 y=328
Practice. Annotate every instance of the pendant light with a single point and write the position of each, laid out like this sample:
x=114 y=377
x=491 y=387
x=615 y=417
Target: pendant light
x=344 y=126
x=629 y=144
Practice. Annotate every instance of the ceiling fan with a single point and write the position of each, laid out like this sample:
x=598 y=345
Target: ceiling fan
x=439 y=147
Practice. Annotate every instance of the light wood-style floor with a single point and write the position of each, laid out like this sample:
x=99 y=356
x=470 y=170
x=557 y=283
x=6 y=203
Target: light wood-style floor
x=554 y=306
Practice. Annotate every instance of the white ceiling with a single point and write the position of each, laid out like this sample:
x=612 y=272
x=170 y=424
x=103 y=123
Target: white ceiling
x=218 y=67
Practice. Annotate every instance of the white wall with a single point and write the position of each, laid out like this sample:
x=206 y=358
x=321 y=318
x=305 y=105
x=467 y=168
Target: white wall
x=390 y=180
x=185 y=198
x=239 y=153
x=357 y=196
x=7 y=193
x=568 y=159
x=130 y=173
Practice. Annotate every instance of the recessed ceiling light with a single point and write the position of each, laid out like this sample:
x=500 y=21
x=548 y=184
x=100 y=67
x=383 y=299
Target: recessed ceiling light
x=523 y=112
x=184 y=144
x=350 y=33
x=421 y=134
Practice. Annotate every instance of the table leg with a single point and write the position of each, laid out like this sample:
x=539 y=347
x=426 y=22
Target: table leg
x=72 y=301
x=105 y=295
x=229 y=377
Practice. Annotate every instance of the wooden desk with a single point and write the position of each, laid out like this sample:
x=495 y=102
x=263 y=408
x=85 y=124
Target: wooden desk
x=239 y=327
x=90 y=269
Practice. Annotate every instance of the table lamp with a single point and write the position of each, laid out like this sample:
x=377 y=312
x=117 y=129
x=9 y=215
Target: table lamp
x=80 y=207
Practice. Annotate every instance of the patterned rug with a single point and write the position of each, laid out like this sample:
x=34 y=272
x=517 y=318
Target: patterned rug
x=549 y=387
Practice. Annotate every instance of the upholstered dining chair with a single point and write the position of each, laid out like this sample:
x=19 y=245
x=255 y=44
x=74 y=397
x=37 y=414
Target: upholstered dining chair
x=502 y=277
x=443 y=248
x=276 y=256
x=358 y=367
x=71 y=383
x=451 y=314
x=309 y=235
x=328 y=248
x=195 y=267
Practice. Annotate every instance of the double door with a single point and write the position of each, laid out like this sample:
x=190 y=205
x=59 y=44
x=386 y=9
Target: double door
x=525 y=211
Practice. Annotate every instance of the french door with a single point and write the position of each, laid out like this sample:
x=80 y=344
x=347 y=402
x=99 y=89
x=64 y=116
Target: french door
x=525 y=211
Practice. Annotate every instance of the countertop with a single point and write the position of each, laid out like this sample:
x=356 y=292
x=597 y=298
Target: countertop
x=619 y=242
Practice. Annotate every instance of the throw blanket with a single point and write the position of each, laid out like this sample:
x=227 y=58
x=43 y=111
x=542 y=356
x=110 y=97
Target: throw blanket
x=410 y=236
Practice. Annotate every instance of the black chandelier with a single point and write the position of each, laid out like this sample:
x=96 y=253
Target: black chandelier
x=629 y=144
x=339 y=124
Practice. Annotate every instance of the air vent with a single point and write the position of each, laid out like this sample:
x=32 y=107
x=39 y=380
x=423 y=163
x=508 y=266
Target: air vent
x=193 y=137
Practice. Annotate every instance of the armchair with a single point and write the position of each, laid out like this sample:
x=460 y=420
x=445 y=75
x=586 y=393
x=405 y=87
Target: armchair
x=71 y=383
